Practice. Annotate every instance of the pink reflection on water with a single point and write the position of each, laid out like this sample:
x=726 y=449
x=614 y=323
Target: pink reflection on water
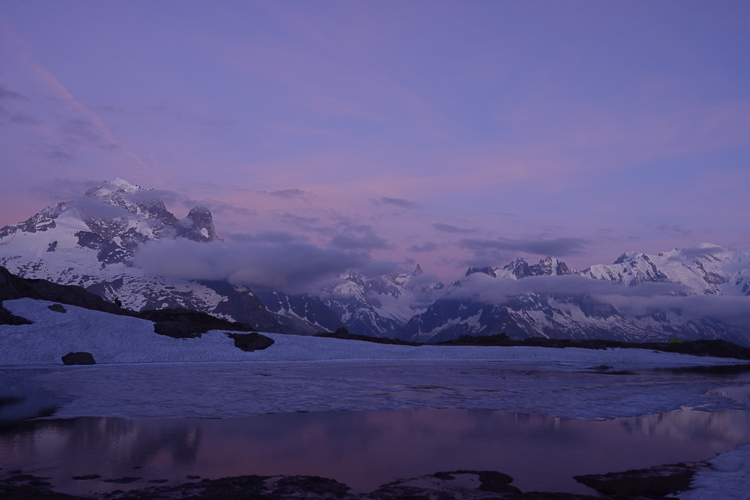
x=366 y=449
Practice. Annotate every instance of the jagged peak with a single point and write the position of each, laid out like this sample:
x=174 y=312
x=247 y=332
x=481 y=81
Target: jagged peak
x=490 y=271
x=109 y=189
x=417 y=271
x=514 y=264
x=198 y=225
x=627 y=257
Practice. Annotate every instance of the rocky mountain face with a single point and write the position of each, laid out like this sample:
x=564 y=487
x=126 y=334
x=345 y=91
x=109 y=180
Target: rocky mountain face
x=90 y=242
x=302 y=313
x=381 y=306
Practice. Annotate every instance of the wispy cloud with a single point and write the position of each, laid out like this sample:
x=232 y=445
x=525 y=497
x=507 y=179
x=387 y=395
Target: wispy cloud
x=398 y=202
x=426 y=247
x=168 y=111
x=216 y=206
x=545 y=247
x=62 y=189
x=85 y=122
x=287 y=193
x=301 y=221
x=369 y=241
x=447 y=228
x=277 y=237
x=76 y=130
x=8 y=95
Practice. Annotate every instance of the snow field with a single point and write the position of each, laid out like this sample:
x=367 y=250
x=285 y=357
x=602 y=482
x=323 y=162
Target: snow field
x=120 y=339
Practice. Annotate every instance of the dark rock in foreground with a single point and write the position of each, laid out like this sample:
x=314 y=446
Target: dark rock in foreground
x=78 y=358
x=7 y=318
x=57 y=308
x=250 y=341
x=655 y=482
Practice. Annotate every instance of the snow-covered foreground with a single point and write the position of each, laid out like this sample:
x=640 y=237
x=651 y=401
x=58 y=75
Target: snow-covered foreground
x=120 y=339
x=141 y=374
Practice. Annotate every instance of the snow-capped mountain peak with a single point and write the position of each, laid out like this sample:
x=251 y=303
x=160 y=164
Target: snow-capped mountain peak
x=91 y=242
x=704 y=269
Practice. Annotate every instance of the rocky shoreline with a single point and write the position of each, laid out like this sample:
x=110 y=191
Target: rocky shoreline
x=659 y=482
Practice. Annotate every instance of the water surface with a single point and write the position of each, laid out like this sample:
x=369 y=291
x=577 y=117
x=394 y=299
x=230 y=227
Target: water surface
x=364 y=449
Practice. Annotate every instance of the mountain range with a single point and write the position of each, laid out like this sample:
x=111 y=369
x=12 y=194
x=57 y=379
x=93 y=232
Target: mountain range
x=92 y=241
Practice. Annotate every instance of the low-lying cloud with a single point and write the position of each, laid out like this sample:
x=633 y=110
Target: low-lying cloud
x=639 y=300
x=261 y=265
x=484 y=288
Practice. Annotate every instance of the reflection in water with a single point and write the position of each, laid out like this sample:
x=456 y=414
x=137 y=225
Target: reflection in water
x=365 y=449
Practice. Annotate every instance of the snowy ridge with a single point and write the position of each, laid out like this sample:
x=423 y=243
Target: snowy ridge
x=91 y=242
x=571 y=308
x=704 y=269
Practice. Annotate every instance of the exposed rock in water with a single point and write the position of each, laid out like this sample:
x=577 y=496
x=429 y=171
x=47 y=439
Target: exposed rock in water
x=655 y=482
x=78 y=358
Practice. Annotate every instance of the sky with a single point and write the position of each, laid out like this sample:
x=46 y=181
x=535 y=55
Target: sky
x=441 y=133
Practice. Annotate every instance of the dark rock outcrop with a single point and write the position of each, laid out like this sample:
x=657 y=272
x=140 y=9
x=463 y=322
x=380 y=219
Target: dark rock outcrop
x=343 y=333
x=57 y=308
x=181 y=323
x=177 y=323
x=300 y=313
x=250 y=341
x=176 y=329
x=7 y=318
x=198 y=225
x=244 y=306
x=489 y=271
x=655 y=482
x=78 y=358
x=12 y=287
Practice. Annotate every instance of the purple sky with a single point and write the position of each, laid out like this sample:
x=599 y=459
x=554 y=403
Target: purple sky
x=444 y=133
